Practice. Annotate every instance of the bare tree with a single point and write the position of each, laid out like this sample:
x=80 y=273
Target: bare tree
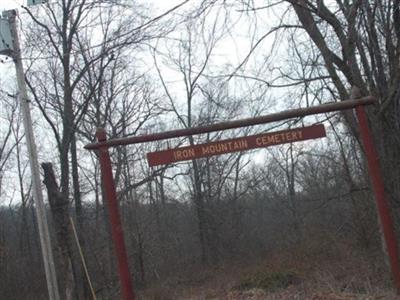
x=353 y=44
x=9 y=119
x=67 y=68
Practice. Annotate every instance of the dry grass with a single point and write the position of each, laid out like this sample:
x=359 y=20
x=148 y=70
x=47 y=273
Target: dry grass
x=349 y=276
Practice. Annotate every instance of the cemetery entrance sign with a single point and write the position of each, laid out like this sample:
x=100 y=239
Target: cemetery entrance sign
x=240 y=144
x=235 y=145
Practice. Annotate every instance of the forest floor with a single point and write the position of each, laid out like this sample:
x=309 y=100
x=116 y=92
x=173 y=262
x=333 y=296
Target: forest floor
x=349 y=276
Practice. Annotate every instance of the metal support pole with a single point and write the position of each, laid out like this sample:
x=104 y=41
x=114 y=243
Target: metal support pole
x=380 y=197
x=40 y=209
x=115 y=220
x=283 y=115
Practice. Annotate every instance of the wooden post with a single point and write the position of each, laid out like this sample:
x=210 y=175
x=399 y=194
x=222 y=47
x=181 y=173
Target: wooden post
x=40 y=209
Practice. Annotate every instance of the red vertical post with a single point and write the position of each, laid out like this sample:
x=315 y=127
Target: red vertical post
x=115 y=220
x=380 y=197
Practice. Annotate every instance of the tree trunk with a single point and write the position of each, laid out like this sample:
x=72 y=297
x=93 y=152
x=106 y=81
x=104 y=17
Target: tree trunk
x=83 y=288
x=60 y=215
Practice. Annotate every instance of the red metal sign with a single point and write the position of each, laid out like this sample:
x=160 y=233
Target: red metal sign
x=235 y=145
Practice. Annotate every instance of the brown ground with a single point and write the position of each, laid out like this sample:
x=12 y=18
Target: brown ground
x=350 y=276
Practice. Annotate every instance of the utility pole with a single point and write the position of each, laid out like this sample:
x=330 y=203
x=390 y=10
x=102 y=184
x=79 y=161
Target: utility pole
x=41 y=218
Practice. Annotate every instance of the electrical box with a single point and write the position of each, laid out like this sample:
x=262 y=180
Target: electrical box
x=6 y=42
x=34 y=2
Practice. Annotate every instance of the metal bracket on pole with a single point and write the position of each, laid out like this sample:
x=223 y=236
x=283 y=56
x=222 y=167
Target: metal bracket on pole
x=6 y=40
x=34 y=2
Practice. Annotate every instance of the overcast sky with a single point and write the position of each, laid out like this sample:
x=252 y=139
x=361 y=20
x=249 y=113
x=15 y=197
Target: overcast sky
x=229 y=52
x=9 y=4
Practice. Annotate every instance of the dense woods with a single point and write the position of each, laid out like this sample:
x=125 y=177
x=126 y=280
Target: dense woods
x=137 y=68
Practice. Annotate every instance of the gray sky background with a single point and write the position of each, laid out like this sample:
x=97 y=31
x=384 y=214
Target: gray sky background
x=228 y=54
x=9 y=4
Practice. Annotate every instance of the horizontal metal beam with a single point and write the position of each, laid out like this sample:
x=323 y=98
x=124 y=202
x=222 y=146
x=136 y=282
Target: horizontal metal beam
x=287 y=114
